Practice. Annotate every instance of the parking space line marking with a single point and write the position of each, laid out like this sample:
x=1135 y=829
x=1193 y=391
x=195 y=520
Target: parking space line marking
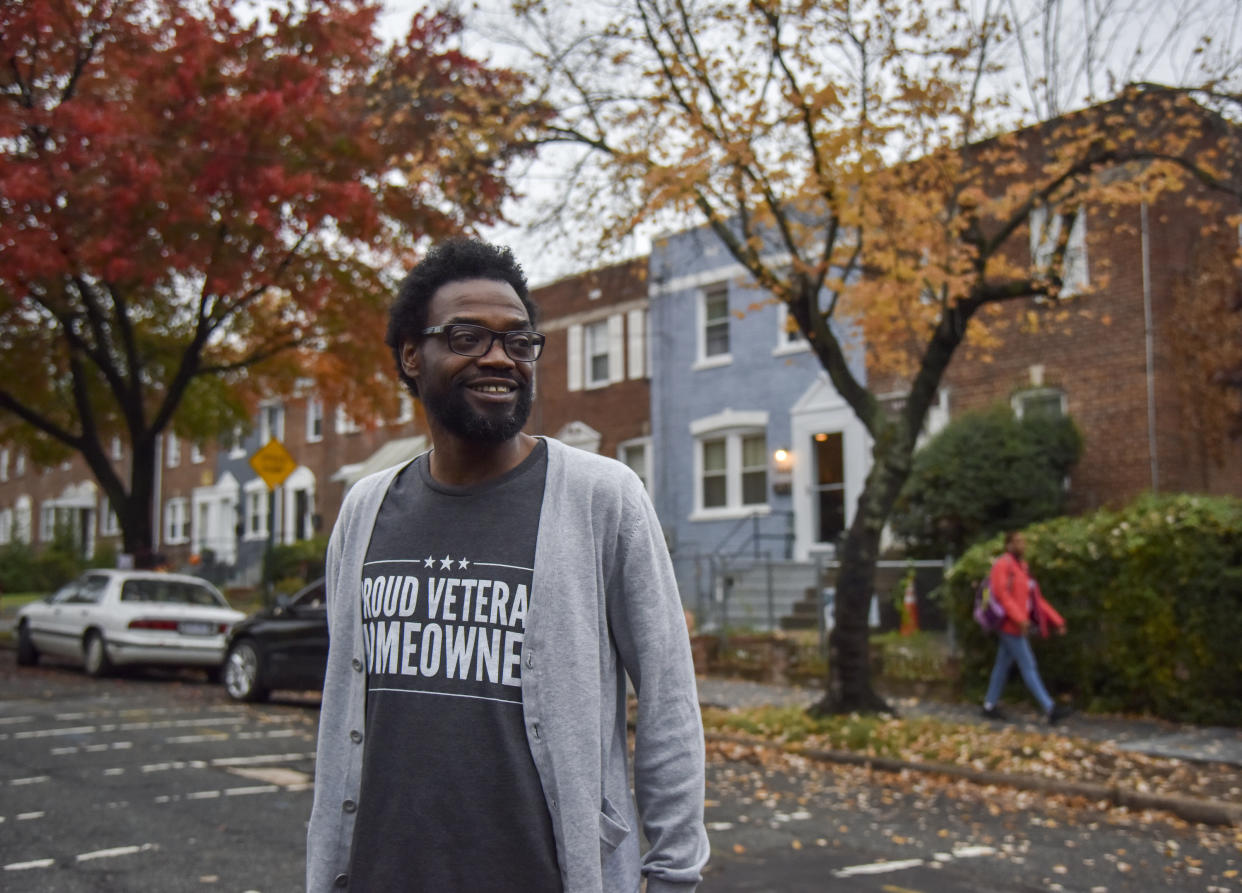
x=114 y=852
x=265 y=758
x=28 y=816
x=198 y=739
x=37 y=779
x=55 y=733
x=878 y=867
x=202 y=795
x=177 y=764
x=25 y=866
x=256 y=789
x=973 y=852
x=14 y=720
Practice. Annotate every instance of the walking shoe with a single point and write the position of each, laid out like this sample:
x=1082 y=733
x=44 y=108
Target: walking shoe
x=1058 y=713
x=993 y=713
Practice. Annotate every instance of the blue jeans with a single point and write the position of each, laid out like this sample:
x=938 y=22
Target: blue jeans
x=1017 y=649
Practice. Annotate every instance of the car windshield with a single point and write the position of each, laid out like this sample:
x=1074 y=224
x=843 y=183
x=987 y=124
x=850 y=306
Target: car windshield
x=311 y=598
x=178 y=592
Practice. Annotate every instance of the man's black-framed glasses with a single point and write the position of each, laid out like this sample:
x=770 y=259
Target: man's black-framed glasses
x=475 y=341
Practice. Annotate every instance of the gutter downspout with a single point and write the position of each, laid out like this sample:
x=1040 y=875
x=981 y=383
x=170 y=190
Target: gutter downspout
x=158 y=526
x=1149 y=338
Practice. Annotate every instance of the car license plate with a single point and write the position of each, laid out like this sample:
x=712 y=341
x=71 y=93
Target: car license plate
x=196 y=628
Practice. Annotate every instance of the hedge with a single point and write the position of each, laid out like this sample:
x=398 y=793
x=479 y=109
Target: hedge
x=1152 y=595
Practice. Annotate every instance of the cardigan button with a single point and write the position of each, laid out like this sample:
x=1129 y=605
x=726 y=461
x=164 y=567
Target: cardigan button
x=342 y=881
x=357 y=664
x=349 y=806
x=355 y=736
x=530 y=660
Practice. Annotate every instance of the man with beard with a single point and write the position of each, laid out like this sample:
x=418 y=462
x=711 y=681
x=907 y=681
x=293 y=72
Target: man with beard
x=486 y=602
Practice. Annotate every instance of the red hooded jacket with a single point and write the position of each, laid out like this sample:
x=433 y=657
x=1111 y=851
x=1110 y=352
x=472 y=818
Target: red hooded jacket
x=1011 y=582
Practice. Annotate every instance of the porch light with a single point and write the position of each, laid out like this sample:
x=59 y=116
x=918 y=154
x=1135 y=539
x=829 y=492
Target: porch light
x=782 y=470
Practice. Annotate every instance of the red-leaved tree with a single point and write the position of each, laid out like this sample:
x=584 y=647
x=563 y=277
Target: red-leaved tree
x=197 y=208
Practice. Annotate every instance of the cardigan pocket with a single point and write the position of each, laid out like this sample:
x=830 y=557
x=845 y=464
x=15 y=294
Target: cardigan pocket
x=613 y=829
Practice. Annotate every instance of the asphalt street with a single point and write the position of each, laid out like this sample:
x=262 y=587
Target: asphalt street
x=157 y=782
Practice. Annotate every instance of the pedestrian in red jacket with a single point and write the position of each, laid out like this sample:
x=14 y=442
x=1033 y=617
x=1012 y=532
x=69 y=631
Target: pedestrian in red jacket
x=1025 y=606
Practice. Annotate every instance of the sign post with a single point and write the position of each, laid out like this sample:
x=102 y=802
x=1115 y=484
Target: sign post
x=274 y=464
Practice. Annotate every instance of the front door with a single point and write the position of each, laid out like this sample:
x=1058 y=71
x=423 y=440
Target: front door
x=828 y=485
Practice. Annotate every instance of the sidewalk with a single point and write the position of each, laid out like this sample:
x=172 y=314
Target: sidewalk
x=1216 y=749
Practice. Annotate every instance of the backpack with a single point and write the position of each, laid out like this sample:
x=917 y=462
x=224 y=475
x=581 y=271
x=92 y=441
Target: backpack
x=989 y=612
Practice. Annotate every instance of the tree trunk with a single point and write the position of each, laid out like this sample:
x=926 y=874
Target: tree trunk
x=135 y=514
x=848 y=688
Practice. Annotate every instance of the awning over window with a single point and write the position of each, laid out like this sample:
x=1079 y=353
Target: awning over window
x=392 y=453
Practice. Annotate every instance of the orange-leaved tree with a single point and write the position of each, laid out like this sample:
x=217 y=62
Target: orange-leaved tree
x=200 y=209
x=870 y=165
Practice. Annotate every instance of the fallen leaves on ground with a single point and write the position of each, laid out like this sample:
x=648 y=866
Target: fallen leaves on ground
x=1007 y=750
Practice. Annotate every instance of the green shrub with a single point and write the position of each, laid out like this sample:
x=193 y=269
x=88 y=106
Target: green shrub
x=984 y=473
x=25 y=568
x=1152 y=596
x=303 y=560
x=17 y=568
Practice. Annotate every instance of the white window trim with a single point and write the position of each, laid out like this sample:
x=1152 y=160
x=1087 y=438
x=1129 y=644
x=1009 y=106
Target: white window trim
x=118 y=449
x=253 y=488
x=783 y=345
x=177 y=521
x=314 y=413
x=702 y=360
x=109 y=523
x=6 y=526
x=197 y=456
x=47 y=522
x=1075 y=271
x=405 y=411
x=238 y=448
x=1018 y=400
x=172 y=450
x=645 y=442
x=4 y=464
x=23 y=519
x=343 y=422
x=267 y=431
x=732 y=426
x=19 y=464
x=636 y=324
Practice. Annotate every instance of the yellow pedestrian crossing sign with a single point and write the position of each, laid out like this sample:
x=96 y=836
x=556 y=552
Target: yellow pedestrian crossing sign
x=273 y=463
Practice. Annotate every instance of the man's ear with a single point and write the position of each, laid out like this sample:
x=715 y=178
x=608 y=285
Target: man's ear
x=410 y=359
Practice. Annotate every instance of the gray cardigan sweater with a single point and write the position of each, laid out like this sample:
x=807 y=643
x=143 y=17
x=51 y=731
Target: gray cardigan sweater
x=604 y=603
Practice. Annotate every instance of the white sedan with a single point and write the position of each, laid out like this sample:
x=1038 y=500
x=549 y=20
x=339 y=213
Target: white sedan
x=110 y=618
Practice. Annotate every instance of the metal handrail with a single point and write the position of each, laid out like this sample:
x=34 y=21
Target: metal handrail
x=757 y=536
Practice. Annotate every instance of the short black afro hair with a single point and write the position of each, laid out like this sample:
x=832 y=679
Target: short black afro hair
x=449 y=261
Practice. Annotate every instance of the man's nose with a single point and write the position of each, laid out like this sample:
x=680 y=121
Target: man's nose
x=496 y=355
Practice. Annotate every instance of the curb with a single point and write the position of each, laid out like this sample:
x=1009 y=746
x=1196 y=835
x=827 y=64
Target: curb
x=1191 y=809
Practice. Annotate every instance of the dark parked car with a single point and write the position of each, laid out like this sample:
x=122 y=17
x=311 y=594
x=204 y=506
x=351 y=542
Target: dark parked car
x=282 y=647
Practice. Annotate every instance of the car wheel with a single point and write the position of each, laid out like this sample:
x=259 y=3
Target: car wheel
x=27 y=653
x=95 y=655
x=243 y=678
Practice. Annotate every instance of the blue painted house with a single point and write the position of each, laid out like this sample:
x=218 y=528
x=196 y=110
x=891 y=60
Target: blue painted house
x=755 y=453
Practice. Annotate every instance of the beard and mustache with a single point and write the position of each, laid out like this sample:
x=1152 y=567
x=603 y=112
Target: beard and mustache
x=452 y=409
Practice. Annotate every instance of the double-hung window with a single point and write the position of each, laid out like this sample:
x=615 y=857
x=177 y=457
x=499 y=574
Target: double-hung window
x=1045 y=233
x=731 y=464
x=271 y=423
x=714 y=344
x=177 y=521
x=1042 y=403
x=314 y=420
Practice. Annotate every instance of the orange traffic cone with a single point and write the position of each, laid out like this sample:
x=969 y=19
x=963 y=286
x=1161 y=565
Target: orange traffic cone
x=909 y=611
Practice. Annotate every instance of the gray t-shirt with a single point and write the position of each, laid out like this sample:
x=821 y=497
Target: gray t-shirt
x=450 y=797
